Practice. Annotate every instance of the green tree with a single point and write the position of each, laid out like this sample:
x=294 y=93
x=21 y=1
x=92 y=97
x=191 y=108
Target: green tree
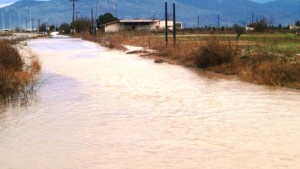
x=65 y=28
x=239 y=30
x=297 y=23
x=106 y=18
x=52 y=27
x=261 y=25
x=43 y=27
x=82 y=25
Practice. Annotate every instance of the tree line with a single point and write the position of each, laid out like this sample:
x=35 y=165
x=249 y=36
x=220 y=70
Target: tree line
x=85 y=24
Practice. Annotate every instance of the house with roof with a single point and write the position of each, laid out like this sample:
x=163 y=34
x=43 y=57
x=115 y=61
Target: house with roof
x=139 y=25
x=294 y=27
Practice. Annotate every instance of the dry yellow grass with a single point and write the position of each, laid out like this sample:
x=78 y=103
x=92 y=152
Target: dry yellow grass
x=15 y=81
x=221 y=56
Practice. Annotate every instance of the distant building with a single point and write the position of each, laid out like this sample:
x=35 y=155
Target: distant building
x=293 y=27
x=248 y=28
x=161 y=25
x=122 y=25
x=148 y=25
x=5 y=30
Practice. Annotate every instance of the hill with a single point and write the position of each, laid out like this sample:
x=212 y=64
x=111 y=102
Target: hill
x=230 y=11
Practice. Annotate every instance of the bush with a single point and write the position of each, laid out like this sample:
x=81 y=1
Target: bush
x=269 y=69
x=65 y=28
x=82 y=25
x=15 y=81
x=9 y=57
x=214 y=53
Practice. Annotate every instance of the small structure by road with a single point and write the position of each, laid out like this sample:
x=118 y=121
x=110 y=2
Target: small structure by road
x=147 y=25
x=294 y=27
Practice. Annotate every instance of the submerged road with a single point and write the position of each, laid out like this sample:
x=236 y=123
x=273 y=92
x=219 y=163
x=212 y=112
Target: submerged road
x=100 y=108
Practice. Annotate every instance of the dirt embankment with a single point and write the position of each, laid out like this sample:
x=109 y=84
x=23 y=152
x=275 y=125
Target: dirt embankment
x=19 y=71
x=261 y=66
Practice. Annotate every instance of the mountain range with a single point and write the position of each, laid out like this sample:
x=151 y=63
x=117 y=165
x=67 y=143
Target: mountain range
x=230 y=12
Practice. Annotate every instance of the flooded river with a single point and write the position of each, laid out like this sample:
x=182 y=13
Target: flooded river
x=102 y=109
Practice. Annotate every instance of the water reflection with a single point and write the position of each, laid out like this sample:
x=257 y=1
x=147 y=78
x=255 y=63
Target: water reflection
x=104 y=109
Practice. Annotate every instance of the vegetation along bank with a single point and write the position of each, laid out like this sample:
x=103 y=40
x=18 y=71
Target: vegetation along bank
x=19 y=71
x=267 y=59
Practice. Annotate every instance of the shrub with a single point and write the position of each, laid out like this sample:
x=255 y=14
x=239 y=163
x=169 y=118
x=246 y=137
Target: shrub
x=82 y=25
x=15 y=81
x=214 y=53
x=65 y=28
x=269 y=69
x=9 y=57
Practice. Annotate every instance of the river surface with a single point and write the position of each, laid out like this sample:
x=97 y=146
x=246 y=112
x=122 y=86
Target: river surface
x=103 y=109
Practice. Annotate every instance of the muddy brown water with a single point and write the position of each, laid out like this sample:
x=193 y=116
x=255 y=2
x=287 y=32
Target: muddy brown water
x=100 y=108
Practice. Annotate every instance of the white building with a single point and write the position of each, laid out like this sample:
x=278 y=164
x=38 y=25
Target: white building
x=293 y=27
x=248 y=28
x=149 y=25
x=161 y=25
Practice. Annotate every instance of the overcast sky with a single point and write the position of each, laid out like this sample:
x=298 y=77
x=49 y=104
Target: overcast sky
x=7 y=2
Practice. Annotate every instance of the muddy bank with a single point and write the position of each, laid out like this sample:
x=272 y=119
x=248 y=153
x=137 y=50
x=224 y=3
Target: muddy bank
x=104 y=109
x=19 y=71
x=26 y=55
x=262 y=66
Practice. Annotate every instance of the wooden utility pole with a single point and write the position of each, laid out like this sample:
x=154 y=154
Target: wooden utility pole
x=93 y=31
x=218 y=21
x=166 y=22
x=252 y=22
x=39 y=25
x=174 y=23
x=73 y=18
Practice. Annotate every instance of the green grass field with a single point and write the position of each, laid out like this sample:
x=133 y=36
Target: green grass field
x=276 y=42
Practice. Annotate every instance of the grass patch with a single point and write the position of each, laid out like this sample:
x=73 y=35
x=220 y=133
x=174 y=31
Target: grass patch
x=214 y=53
x=16 y=82
x=263 y=67
x=268 y=59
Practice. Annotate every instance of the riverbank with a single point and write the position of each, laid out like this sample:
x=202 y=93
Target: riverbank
x=113 y=111
x=19 y=71
x=266 y=60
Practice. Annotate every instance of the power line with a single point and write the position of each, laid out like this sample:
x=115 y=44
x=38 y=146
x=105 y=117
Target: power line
x=73 y=18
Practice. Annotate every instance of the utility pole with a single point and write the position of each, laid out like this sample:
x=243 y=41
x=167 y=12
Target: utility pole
x=114 y=7
x=77 y=15
x=9 y=17
x=73 y=18
x=92 y=31
x=26 y=24
x=96 y=17
x=166 y=22
x=32 y=25
x=30 y=16
x=39 y=25
x=198 y=21
x=96 y=14
x=2 y=20
x=252 y=22
x=174 y=23
x=218 y=21
x=9 y=20
x=153 y=14
x=20 y=20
